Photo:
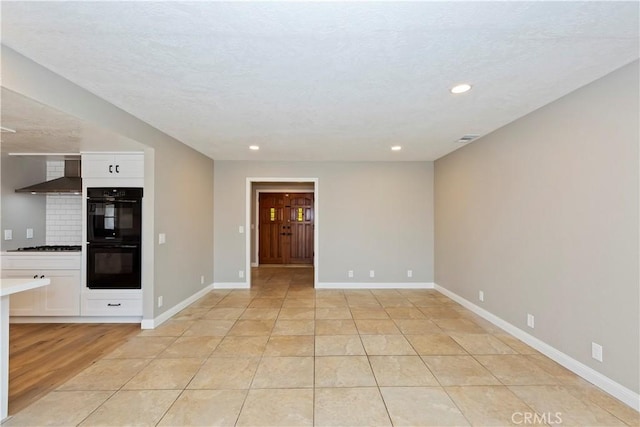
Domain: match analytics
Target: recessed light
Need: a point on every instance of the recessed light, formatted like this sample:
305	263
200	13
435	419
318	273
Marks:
461	88
254	147
396	148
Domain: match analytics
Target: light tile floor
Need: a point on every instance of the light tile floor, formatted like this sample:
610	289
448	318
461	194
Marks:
284	354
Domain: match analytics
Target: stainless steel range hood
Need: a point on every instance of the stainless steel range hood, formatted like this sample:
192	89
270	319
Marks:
70	183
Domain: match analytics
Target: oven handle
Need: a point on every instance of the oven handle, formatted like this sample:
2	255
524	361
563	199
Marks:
114	246
101	199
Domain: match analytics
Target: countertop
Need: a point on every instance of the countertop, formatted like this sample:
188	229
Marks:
13	285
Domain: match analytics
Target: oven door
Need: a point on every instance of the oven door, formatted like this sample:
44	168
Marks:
113	266
114	220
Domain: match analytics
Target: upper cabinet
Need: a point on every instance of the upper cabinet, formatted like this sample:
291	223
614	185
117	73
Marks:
112	165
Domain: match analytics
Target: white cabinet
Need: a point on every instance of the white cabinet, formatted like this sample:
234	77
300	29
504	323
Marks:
60	298
112	303
112	165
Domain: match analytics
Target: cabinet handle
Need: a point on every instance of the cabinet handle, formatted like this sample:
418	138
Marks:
42	277
114	305
117	168
110	168
35	276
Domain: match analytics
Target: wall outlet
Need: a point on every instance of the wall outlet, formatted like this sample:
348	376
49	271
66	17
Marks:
241	274
596	351
160	301
531	321
29	233
350	274
162	239
409	273
372	273
241	229
202	280
481	295
8	234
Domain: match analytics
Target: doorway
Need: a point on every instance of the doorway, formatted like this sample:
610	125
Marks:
285	228
300	212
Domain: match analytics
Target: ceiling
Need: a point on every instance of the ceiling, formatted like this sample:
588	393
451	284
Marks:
325	80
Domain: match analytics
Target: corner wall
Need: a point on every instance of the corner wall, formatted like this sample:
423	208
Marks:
542	215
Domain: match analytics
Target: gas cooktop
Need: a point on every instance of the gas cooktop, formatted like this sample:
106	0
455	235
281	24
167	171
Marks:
49	248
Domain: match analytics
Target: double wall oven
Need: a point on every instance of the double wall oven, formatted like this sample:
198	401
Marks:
114	236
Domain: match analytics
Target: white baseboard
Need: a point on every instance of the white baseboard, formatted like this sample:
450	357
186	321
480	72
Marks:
615	389
255	264
231	285
374	285
76	319
157	321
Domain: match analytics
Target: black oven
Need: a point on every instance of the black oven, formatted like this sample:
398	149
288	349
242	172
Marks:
113	266
114	237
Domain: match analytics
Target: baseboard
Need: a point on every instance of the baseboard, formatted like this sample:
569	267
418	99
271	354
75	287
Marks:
76	319
374	285
157	321
608	385
255	264
231	285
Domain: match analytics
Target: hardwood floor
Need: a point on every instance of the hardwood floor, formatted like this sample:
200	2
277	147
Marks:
43	356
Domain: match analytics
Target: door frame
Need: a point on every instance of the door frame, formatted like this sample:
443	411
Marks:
247	228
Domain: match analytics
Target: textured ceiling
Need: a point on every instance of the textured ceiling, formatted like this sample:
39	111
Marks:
42	129
325	80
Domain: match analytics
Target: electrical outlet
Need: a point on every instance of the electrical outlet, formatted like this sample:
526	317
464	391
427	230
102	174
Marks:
596	351
8	234
481	295
372	273
29	233
409	273
241	274
162	238
350	274
202	280
531	321
160	301
241	229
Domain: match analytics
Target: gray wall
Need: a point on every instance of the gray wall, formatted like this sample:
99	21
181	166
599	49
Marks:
181	186
372	216
542	215
22	210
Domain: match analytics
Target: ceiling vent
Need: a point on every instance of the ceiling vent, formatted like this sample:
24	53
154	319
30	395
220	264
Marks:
467	138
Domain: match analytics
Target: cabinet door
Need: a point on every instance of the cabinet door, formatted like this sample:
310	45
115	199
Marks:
129	165
25	303
98	166
62	296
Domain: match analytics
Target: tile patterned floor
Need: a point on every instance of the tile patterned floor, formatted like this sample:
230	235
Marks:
284	354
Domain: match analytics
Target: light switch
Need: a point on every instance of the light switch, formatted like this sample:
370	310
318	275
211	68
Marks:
29	233
8	234
162	238
241	229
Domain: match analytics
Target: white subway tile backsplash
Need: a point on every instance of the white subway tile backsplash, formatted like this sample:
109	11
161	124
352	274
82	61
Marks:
63	212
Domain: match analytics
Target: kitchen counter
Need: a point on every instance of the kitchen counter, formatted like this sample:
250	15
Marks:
8	287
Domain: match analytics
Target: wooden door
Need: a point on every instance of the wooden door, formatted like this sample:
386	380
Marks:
286	222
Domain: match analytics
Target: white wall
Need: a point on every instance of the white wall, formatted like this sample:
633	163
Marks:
372	216
542	215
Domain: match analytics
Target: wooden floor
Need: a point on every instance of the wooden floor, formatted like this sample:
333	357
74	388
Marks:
43	356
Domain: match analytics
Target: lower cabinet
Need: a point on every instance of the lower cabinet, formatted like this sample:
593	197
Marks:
112	303
60	298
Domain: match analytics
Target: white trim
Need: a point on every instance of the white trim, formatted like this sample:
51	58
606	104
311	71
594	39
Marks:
372	285
316	228
255	264
231	285
615	389
157	321
76	319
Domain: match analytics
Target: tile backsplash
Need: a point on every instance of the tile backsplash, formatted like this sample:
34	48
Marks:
64	212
